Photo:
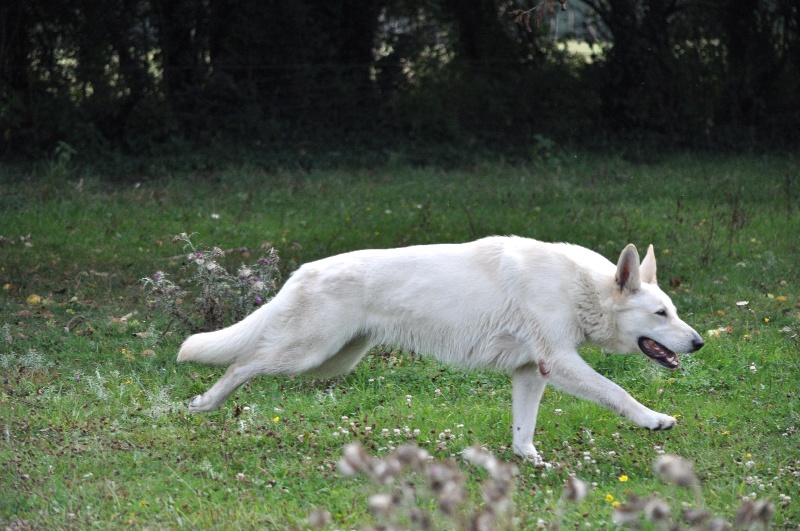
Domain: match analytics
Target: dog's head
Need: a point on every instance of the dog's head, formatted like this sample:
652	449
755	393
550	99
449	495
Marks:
646	318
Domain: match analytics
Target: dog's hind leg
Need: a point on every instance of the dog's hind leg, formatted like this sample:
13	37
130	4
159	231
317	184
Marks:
528	383
344	360
317	356
236	375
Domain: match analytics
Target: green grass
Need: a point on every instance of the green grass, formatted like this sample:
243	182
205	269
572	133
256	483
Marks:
93	429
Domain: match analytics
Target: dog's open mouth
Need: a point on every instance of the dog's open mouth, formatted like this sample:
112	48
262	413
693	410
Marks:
659	353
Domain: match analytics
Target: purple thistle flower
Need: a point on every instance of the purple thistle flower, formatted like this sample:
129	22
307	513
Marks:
259	301
156	277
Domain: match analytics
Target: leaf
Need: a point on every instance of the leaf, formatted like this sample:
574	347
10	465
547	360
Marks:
539	16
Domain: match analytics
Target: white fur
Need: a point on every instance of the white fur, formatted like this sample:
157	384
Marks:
506	303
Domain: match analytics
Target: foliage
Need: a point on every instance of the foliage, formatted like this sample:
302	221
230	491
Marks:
151	76
93	423
214	297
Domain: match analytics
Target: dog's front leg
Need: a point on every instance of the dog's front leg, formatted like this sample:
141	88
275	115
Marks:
528	385
572	374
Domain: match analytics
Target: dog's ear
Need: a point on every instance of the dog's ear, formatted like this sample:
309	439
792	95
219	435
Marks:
647	271
627	278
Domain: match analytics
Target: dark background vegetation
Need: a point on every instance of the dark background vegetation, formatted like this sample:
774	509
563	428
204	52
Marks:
82	78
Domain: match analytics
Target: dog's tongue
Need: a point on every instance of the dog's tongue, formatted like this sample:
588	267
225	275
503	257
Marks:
659	353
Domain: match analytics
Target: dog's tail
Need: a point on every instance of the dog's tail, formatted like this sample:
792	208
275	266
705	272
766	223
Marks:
223	347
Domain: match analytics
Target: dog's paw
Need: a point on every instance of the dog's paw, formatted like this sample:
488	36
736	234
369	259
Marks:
199	405
529	453
652	420
659	422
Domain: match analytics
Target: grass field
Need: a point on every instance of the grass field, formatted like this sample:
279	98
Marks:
93	429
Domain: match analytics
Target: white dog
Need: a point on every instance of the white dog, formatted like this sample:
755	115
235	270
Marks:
506	303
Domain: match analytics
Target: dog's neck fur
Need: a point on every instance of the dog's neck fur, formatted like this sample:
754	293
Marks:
596	318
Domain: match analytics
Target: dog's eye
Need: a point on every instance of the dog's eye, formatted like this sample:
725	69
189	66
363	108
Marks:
662	313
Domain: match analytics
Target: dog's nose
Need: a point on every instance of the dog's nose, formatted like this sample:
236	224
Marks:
697	344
